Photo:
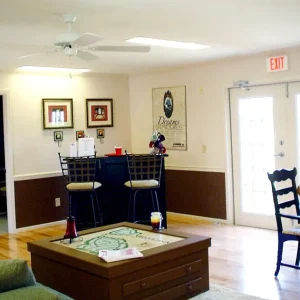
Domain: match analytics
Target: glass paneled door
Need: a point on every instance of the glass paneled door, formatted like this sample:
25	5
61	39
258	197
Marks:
294	119
263	140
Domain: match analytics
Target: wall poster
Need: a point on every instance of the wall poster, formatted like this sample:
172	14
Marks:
169	116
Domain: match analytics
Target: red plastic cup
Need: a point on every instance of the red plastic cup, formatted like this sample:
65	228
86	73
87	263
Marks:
118	150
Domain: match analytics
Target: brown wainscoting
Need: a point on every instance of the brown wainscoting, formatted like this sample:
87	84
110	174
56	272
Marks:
196	193
35	201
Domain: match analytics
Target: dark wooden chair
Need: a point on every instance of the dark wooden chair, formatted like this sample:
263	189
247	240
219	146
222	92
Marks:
144	174
79	174
293	234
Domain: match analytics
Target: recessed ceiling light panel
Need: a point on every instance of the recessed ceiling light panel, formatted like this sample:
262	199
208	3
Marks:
166	43
52	69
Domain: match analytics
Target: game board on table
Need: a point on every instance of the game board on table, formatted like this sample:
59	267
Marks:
120	238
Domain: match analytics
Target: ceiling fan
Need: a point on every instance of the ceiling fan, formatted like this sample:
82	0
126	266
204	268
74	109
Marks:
75	44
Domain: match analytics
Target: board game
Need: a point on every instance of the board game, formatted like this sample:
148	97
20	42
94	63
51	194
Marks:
119	238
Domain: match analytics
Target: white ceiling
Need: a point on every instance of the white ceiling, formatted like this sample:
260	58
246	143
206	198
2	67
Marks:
231	27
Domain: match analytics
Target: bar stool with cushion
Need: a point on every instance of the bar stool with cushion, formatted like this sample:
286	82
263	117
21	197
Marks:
144	174
79	174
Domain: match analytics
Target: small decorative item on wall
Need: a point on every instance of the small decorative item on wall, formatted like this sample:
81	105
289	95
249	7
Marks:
100	133
79	134
169	116
99	112
57	113
58	137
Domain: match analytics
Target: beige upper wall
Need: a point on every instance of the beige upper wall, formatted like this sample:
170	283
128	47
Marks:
34	150
206	113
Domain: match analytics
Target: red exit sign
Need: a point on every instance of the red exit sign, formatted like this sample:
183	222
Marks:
277	63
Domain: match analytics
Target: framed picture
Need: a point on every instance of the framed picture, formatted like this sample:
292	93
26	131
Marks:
58	136
100	133
99	113
57	113
79	134
169	116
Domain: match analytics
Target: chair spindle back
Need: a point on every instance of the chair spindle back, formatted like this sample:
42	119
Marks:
78	169
144	166
283	176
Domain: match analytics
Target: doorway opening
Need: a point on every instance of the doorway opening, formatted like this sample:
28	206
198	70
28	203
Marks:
265	136
3	201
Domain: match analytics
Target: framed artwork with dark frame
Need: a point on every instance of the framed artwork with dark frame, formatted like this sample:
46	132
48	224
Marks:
58	136
57	113
99	113
79	134
100	133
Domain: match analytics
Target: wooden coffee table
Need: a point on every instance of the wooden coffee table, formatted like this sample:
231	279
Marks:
174	266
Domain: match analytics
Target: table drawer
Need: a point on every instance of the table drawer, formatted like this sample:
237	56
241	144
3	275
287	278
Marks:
198	285
166	276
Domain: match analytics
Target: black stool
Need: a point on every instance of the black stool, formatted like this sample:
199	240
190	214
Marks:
79	174
144	174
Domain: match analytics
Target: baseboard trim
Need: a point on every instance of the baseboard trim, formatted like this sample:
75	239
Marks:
183	218
28	228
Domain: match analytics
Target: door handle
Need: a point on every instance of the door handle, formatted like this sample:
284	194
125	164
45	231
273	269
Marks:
281	154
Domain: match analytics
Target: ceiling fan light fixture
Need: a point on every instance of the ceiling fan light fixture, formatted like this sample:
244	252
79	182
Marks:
166	43
70	51
53	69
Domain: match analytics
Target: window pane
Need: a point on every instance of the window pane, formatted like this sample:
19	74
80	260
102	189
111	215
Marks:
257	154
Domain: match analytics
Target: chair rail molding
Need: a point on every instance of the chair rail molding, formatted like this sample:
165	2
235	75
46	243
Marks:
37	175
41	175
195	168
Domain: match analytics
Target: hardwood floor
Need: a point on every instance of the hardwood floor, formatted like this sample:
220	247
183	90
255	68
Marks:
241	258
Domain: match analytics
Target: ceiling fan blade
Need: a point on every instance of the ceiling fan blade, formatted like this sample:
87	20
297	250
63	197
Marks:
87	39
122	48
30	55
86	55
47	51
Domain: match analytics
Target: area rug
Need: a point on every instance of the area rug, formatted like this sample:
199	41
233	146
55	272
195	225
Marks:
217	292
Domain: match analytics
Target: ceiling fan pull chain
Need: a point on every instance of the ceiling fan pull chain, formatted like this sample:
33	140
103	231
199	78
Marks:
70	74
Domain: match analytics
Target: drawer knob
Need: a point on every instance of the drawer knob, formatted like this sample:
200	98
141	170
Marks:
143	284
189	269
189	287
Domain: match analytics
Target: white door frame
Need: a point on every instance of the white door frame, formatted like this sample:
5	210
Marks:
8	148
229	171
228	139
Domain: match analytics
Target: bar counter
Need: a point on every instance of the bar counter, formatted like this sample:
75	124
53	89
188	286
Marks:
113	196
